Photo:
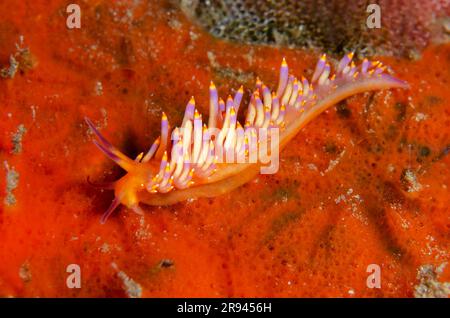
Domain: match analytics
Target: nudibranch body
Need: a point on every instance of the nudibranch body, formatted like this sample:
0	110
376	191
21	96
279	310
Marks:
205	160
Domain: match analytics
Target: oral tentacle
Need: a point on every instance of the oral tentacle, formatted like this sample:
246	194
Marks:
114	204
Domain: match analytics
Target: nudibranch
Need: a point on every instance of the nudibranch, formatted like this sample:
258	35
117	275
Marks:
188	161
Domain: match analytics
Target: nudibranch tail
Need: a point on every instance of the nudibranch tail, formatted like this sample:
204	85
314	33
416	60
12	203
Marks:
207	159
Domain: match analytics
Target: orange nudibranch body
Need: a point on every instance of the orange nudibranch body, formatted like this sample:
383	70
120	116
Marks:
205	160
